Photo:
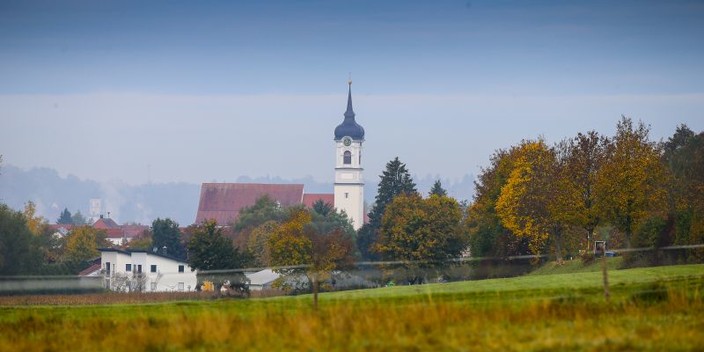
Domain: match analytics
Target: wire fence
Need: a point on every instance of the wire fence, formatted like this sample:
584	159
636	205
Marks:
361	275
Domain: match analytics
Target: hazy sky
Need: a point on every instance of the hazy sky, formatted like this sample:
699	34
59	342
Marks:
198	91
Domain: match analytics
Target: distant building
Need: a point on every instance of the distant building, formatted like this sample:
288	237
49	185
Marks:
117	234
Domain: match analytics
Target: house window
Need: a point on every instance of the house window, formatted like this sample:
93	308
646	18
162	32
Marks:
128	267
181	286
153	268
180	268
347	158
139	268
153	286
107	268
347	195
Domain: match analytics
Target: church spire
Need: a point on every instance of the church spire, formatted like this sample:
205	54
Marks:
349	114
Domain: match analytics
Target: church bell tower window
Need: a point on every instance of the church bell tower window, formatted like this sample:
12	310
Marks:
347	158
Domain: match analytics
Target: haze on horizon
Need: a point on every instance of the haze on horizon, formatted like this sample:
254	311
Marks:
186	92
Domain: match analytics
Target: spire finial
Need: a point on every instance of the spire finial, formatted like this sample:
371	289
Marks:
349	80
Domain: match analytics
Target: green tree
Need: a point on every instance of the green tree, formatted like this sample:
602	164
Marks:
209	249
632	179
684	157
166	238
394	180
297	248
263	210
18	253
437	189
421	232
78	219
326	219
82	244
65	218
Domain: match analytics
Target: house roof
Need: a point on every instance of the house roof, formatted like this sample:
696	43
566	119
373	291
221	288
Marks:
105	223
114	233
310	198
263	277
222	202
148	252
91	270
131	231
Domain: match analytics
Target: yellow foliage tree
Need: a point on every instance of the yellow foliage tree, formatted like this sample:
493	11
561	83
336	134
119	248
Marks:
526	203
35	223
83	243
632	182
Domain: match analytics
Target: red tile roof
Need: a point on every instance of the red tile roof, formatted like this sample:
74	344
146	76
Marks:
91	269
132	231
309	199
114	233
223	201
105	223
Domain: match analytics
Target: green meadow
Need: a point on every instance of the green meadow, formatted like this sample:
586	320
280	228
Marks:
656	309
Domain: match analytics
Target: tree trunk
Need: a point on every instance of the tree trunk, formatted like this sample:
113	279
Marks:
558	245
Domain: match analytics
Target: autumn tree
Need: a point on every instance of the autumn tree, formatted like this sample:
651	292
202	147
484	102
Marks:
394	180
82	244
65	218
437	189
487	236
632	179
258	243
423	233
580	160
297	248
35	222
18	253
525	204
166	238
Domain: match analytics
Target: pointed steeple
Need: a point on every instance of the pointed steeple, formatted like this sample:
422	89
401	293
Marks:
349	114
349	127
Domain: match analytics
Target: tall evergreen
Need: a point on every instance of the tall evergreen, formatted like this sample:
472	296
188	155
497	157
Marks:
437	189
395	180
65	218
165	233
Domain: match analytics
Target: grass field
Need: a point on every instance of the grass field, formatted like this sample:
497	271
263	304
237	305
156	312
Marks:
650	309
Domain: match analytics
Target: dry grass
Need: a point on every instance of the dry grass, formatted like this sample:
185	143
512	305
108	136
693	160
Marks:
654	316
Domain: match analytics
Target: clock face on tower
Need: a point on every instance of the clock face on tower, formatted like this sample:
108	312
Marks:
347	141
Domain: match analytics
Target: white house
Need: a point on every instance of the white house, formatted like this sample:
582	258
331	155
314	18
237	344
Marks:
144	271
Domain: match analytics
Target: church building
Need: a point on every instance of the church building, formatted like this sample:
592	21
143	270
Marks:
222	202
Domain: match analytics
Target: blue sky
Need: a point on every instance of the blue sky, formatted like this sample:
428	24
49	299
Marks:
202	91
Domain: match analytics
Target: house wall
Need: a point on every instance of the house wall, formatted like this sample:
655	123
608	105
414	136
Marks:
165	278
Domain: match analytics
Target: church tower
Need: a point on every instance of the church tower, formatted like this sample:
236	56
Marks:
349	185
